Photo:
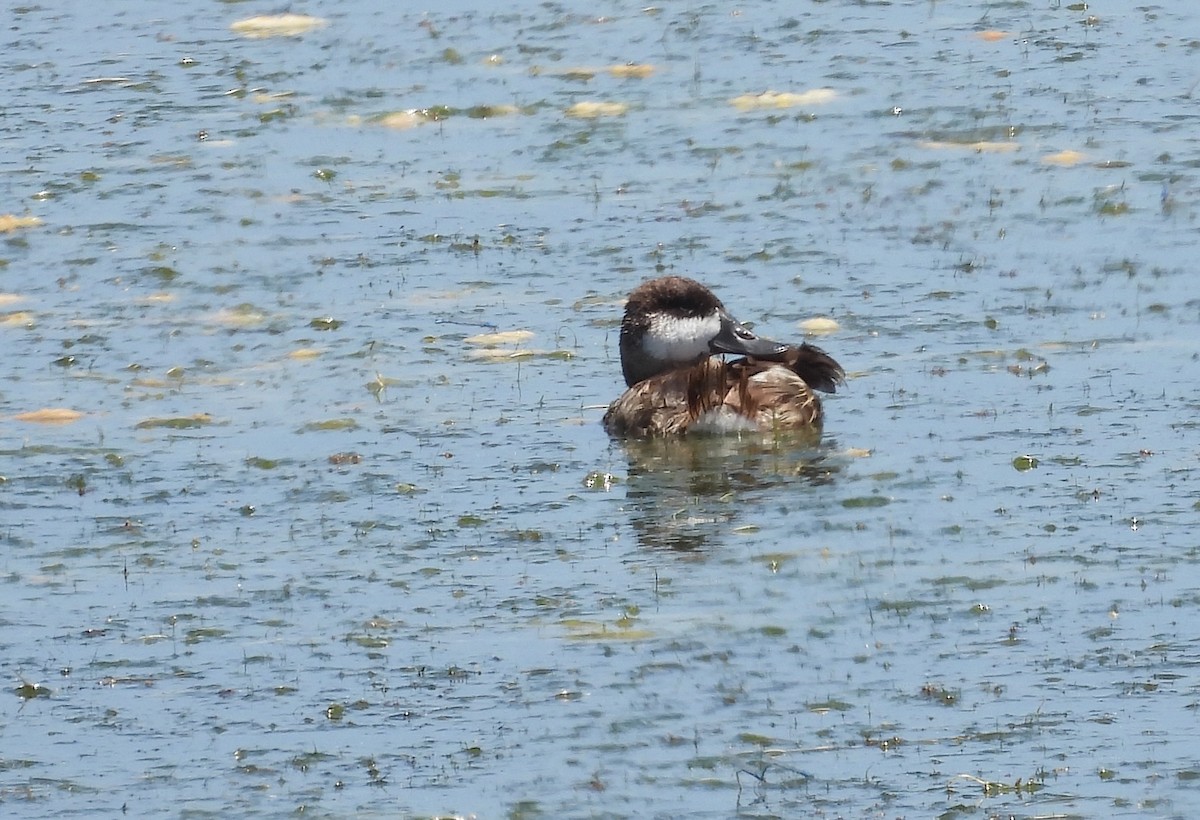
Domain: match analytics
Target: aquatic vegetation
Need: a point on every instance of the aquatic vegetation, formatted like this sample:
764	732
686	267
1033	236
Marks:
28	691
325	514
596	109
50	415
500	338
820	326
277	25
1064	159
11	222
1023	463
330	425
634	71
600	480
978	146
175	422
783	99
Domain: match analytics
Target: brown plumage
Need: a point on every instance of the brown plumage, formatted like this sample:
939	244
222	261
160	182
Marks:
770	390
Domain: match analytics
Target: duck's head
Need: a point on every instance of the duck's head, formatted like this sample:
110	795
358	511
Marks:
673	321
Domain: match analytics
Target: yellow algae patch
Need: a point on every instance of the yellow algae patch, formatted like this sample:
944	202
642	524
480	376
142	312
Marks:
783	99
10	299
500	354
595	110
20	318
858	452
266	98
992	35
438	296
50	415
174	160
501	346
584	73
12	222
503	337
980	147
305	353
1064	159
329	424
637	71
820	325
402	120
277	25
238	317
153	382
156	299
582	630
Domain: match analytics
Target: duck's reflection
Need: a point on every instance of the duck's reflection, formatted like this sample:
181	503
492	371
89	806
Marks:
687	493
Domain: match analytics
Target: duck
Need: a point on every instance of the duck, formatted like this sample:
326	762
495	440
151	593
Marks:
674	336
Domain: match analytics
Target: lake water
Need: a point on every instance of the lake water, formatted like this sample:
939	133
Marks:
324	522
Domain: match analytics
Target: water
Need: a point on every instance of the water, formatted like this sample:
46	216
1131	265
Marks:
311	547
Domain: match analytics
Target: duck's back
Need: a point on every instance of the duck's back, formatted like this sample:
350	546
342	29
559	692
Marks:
715	396
666	404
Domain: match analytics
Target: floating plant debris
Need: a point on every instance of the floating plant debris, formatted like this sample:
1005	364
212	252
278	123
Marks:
50	415
783	99
277	25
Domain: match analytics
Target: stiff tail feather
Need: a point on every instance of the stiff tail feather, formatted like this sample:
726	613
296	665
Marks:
819	370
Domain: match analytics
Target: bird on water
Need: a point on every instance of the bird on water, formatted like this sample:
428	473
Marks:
673	335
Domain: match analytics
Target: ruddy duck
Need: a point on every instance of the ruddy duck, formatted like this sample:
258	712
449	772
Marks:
673	330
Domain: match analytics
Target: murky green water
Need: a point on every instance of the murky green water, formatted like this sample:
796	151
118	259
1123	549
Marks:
311	546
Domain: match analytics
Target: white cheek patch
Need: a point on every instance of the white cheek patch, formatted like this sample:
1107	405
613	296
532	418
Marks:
680	340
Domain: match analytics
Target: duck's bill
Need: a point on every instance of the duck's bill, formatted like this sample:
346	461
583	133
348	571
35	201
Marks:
734	337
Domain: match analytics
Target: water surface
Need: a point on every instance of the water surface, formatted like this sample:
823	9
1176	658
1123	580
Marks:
311	545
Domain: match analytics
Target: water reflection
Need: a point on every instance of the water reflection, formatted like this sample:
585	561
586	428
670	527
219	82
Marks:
685	493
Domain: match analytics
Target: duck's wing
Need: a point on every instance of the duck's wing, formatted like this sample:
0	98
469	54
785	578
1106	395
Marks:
773	396
778	394
667	404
